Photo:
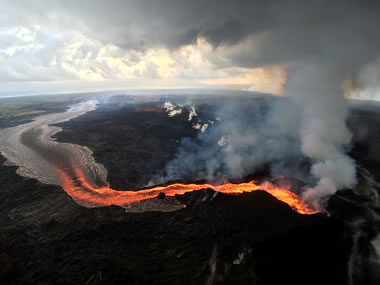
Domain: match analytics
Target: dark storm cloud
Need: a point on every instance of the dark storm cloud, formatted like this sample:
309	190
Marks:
230	32
341	31
280	31
142	24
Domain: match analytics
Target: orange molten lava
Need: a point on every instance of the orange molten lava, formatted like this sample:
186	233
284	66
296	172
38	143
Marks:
84	193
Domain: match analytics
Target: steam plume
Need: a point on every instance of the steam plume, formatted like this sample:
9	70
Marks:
323	131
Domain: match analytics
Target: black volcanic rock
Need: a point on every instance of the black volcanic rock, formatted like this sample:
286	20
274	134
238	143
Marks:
5	260
161	195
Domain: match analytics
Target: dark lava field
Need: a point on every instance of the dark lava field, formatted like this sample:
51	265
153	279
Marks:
46	238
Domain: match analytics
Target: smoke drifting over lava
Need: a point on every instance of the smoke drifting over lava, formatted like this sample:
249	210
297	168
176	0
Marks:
246	137
304	138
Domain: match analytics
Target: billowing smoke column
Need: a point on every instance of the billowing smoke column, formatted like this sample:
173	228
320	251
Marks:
323	131
325	45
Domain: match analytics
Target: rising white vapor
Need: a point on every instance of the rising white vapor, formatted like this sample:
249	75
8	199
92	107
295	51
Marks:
192	113
323	131
171	109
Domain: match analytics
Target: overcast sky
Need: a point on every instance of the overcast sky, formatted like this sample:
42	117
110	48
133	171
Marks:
88	45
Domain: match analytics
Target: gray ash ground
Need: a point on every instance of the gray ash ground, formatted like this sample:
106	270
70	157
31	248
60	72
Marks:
134	143
218	239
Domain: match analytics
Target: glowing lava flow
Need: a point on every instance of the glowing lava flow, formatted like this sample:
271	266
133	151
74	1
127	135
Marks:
85	194
31	147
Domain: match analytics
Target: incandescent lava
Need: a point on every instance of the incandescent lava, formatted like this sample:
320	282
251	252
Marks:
88	195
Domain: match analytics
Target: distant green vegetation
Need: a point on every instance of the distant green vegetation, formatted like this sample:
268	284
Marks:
33	105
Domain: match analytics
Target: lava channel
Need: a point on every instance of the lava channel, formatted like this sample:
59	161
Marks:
91	196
